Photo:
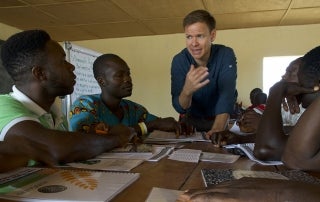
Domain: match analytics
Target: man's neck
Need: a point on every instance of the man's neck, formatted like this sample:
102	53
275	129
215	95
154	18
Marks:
44	101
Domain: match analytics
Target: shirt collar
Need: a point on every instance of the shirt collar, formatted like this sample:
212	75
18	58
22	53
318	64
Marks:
27	102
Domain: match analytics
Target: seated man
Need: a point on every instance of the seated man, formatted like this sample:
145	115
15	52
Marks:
271	139
252	96
113	75
250	119
300	148
290	115
30	126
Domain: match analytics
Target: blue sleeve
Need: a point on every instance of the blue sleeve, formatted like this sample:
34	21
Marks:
179	70
227	83
82	114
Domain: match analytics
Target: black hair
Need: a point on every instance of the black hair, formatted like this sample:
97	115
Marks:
253	93
310	67
260	98
200	16
22	51
99	65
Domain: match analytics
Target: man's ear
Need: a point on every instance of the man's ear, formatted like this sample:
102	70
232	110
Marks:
213	35
38	73
101	81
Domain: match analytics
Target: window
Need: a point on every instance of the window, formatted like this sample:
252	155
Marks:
274	68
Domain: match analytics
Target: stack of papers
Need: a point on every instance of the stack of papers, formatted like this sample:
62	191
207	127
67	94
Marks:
170	137
248	148
218	158
186	155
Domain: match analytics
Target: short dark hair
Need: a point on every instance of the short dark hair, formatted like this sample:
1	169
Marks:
253	93
312	57
260	98
310	67
99	64
22	51
200	16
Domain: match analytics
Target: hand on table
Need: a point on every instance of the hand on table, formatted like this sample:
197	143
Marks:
223	138
100	128
124	134
168	124
187	128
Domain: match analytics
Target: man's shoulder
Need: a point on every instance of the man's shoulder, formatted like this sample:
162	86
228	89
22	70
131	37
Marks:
221	47
11	109
183	54
87	99
7	100
130	103
184	58
5	97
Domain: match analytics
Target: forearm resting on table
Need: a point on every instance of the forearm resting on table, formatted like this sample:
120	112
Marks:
42	144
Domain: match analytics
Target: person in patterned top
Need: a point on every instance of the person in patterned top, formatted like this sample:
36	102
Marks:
108	109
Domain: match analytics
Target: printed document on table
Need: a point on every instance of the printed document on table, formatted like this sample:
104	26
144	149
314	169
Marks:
186	155
165	137
248	148
216	157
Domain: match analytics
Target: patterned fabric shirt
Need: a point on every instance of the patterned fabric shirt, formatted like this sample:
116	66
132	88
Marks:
90	109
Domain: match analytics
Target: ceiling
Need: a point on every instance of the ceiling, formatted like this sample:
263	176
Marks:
72	20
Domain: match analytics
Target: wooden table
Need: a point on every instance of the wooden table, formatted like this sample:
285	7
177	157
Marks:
180	175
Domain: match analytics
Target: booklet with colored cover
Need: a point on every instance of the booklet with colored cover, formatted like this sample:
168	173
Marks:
66	185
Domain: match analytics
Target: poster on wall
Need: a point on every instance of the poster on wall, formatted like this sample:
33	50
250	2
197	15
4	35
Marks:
82	59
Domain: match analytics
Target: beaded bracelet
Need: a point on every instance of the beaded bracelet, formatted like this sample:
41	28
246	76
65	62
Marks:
143	128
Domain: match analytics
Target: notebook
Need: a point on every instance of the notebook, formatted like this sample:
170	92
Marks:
66	185
216	176
247	148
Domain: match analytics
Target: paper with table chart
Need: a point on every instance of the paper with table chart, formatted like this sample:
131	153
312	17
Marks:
67	185
158	152
186	155
122	161
193	155
216	157
247	148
